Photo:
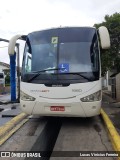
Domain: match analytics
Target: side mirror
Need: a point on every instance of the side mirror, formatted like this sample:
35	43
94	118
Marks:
104	37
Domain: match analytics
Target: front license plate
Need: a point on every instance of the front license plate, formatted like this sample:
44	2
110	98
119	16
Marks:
57	108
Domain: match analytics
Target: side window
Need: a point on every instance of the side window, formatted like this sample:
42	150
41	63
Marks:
95	57
28	59
28	64
94	52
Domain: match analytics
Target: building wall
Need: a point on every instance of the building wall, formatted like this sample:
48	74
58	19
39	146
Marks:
2	89
118	87
106	81
109	80
2	68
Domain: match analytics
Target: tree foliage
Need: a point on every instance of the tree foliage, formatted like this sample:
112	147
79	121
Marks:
7	76
110	59
7	79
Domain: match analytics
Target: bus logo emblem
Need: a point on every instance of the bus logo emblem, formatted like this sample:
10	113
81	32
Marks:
76	90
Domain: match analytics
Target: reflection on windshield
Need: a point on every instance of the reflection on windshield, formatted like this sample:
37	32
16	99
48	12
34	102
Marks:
45	56
74	53
74	57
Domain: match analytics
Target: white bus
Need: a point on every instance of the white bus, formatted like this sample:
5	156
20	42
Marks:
61	71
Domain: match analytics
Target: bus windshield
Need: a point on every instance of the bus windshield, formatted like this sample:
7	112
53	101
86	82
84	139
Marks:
71	50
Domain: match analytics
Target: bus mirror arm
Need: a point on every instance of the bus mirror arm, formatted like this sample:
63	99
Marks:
12	43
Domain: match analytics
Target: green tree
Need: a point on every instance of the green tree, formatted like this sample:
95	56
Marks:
110	59
7	78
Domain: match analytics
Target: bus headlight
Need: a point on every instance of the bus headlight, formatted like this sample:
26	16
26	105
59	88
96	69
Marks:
93	97
26	97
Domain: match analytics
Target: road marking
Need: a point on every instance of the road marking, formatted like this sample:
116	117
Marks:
10	127
11	132
114	136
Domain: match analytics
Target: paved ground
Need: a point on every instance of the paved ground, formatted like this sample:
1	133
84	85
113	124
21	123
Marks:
112	108
73	134
8	110
4	98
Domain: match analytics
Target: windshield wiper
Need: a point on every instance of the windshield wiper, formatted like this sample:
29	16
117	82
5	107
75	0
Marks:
75	73
44	70
53	69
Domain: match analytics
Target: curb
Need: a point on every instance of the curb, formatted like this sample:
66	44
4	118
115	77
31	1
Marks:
8	102
12	131
114	136
11	124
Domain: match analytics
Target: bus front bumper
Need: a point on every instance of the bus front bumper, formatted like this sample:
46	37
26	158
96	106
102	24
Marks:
74	109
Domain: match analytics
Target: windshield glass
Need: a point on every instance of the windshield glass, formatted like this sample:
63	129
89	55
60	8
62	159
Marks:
76	56
47	56
71	50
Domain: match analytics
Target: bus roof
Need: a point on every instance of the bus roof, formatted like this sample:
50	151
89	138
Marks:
65	27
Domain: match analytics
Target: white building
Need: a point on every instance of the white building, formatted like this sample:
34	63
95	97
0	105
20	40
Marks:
4	66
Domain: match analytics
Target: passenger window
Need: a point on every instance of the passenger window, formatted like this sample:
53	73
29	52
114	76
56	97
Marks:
28	60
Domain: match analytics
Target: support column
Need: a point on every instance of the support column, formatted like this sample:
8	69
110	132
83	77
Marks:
13	76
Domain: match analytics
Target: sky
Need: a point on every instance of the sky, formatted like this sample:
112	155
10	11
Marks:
25	16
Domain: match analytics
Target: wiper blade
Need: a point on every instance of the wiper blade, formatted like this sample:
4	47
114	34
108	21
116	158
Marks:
89	79
44	70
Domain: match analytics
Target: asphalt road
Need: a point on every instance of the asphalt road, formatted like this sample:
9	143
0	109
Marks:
60	134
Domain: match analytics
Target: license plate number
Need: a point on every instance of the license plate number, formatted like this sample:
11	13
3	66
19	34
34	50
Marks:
57	108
